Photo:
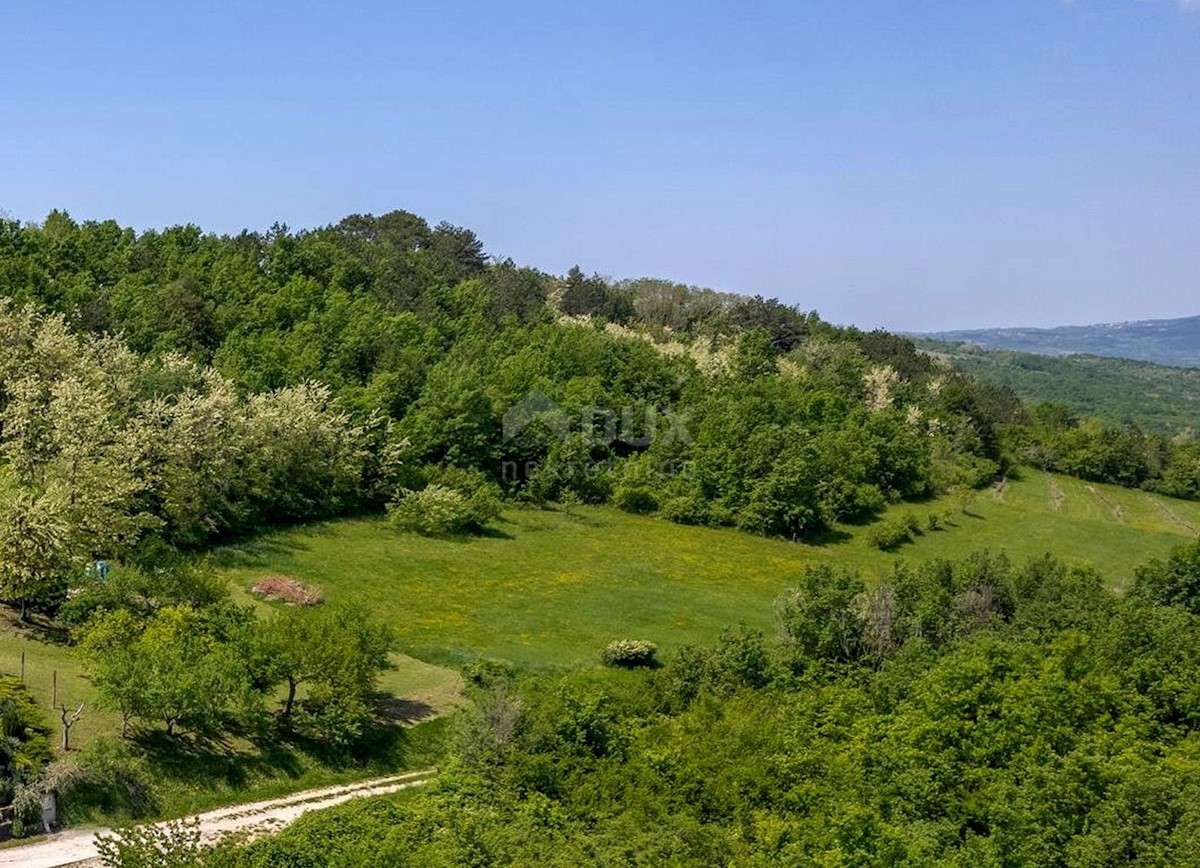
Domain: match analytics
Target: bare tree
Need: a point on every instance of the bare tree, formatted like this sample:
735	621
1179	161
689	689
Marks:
68	722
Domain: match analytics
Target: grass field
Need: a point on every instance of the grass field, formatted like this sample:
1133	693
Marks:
553	587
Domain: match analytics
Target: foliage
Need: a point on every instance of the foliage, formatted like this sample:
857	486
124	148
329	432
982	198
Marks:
169	580
407	328
64	778
1038	736
629	653
637	499
889	535
174	667
169	845
437	511
336	654
24	738
1175	582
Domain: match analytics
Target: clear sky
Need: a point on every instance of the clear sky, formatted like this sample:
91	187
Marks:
917	165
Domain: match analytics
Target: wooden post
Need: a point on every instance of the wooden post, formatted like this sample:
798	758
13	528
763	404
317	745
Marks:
54	689
22	665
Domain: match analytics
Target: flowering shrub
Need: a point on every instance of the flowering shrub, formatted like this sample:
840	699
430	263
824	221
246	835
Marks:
629	653
287	590
439	511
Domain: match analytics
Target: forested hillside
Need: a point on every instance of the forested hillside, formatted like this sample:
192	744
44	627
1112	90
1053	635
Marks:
1156	398
710	408
706	407
1173	342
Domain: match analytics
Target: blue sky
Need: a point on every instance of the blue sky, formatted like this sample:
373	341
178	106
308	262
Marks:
916	165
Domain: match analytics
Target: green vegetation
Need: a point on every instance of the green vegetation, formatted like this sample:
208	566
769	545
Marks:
1156	398
955	713
512	473
24	737
629	653
552	587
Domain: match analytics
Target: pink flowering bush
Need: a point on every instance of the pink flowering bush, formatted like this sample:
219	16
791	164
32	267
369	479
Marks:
287	590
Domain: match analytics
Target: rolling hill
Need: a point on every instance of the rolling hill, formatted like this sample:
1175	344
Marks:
1157	398
1165	342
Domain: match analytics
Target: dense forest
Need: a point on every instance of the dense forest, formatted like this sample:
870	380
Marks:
184	387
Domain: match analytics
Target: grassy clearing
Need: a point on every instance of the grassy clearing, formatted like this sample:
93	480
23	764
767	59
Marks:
553	588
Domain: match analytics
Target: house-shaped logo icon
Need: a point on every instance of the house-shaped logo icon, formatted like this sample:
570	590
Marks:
537	406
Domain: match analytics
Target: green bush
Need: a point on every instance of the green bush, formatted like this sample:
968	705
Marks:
686	509
25	742
629	653
636	499
441	511
888	535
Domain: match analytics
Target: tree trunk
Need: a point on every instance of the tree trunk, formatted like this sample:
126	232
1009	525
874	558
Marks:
291	699
68	721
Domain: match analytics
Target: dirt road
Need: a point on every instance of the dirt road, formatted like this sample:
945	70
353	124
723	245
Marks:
77	847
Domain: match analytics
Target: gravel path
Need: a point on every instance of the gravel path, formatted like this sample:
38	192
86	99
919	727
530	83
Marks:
77	847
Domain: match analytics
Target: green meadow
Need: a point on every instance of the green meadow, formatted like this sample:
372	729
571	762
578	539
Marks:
552	587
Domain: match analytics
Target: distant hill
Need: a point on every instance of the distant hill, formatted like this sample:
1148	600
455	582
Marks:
1163	341
1157	398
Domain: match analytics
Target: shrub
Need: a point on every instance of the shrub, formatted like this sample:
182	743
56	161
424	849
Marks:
636	499
933	521
441	511
911	522
687	509
115	782
629	653
888	535
1175	582
287	590
25	745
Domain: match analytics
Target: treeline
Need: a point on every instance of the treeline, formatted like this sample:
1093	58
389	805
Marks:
108	454
703	406
977	712
1051	437
711	407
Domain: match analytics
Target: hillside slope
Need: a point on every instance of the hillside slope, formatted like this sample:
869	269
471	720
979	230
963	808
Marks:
1158	398
1164	342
